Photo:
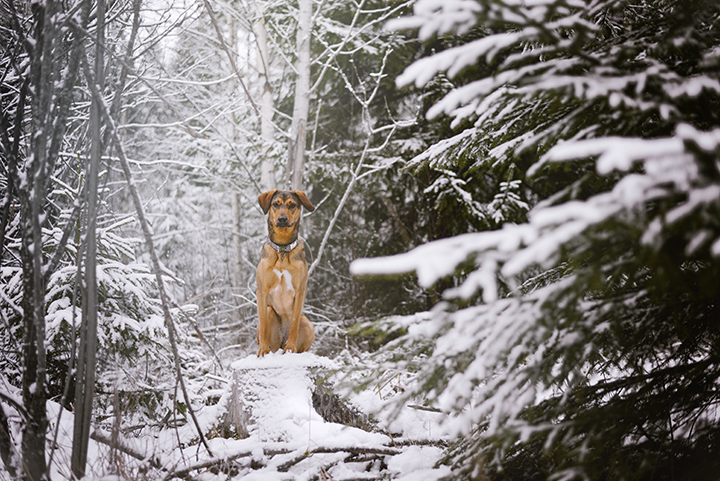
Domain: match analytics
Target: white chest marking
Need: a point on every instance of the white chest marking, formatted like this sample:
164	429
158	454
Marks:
285	281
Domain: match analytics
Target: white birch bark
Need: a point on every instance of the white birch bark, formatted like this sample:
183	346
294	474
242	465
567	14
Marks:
237	278
298	131
267	107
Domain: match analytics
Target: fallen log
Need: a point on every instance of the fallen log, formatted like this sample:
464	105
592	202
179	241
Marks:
108	441
283	468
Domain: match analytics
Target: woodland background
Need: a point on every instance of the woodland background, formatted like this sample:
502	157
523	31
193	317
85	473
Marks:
544	177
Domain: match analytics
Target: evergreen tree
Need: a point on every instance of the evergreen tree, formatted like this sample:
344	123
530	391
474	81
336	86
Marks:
580	343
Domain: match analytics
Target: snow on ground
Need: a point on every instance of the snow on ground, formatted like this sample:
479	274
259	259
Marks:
288	439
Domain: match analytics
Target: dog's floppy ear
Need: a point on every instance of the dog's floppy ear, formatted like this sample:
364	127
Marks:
265	198
305	201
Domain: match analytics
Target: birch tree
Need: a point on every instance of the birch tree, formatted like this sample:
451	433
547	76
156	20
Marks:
298	129
324	39
267	103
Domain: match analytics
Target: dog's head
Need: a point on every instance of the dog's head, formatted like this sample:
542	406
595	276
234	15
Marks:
284	208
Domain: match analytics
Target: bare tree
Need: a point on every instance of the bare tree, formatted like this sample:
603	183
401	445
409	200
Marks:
45	59
86	359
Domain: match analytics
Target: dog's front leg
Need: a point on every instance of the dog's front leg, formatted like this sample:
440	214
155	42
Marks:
263	329
300	292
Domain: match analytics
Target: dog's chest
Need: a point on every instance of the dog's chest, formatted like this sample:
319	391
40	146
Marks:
283	285
281	292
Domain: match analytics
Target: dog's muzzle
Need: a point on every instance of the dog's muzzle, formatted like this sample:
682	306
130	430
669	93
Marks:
282	221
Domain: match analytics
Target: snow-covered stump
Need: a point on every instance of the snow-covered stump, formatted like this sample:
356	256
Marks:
271	397
291	429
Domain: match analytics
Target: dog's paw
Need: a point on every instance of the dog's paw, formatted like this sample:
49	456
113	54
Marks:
262	351
290	348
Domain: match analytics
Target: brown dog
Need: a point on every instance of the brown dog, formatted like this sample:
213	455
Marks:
282	276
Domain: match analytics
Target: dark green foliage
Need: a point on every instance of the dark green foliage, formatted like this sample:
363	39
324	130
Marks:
594	353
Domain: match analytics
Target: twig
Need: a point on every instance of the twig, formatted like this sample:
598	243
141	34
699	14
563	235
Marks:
334	54
441	443
424	408
16	403
340	206
201	336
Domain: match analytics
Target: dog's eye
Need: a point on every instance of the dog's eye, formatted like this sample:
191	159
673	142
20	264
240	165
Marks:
291	205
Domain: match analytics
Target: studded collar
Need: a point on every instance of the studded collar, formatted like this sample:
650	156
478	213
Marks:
283	248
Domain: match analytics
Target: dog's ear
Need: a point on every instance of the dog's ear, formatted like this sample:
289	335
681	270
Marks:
265	198
305	201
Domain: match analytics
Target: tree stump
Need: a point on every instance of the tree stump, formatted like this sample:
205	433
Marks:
271	398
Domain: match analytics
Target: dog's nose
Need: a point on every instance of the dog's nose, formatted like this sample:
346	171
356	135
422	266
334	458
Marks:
282	219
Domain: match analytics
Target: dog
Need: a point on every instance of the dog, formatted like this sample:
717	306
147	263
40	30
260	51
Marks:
282	275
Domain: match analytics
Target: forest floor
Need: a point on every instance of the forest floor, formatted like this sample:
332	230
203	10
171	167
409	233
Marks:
265	426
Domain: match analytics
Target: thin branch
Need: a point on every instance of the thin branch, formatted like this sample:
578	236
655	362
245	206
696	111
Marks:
340	206
116	103
69	227
16	403
11	154
182	473
200	335
131	71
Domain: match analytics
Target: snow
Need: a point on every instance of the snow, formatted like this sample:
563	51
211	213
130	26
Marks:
454	60
287	440
276	360
431	261
438	17
615	153
439	148
715	249
415	458
277	391
514	248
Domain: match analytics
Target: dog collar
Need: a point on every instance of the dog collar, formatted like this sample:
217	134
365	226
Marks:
283	248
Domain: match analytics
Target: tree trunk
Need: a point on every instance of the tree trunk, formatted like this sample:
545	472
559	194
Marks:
267	168
85	377
239	279
298	130
34	372
34	396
